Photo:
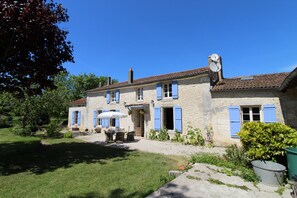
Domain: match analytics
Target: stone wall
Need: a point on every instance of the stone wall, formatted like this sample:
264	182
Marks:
288	100
220	109
194	99
84	118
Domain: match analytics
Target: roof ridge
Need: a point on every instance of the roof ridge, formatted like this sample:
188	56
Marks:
257	75
154	78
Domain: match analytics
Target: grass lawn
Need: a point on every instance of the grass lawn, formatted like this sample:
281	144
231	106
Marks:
70	168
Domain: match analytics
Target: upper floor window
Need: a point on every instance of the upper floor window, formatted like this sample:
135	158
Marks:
167	90
140	94
250	114
113	96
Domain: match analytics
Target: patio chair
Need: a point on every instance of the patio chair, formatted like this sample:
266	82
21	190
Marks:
120	136
108	136
130	136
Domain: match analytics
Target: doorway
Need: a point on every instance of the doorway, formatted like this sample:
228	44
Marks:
168	122
139	122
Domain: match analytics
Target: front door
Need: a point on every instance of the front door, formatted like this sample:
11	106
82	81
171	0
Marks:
139	123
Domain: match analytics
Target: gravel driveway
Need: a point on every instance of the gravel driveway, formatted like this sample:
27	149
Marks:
141	144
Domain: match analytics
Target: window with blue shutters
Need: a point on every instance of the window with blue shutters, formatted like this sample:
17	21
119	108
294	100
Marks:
159	91
157	118
235	123
117	96
108	97
174	90
76	118
178	118
269	112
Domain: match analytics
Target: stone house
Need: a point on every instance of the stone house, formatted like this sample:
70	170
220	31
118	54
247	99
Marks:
199	98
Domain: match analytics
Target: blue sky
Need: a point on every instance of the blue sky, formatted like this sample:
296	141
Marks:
162	36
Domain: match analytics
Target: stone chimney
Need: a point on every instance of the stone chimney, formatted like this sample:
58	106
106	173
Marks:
108	81
216	76
100	84
130	76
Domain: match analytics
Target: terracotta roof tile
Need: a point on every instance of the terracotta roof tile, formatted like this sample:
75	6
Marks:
171	76
265	81
81	101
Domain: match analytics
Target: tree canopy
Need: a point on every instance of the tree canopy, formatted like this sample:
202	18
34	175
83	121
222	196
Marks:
32	45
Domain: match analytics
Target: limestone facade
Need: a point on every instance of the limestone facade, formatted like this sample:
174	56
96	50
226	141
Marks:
200	107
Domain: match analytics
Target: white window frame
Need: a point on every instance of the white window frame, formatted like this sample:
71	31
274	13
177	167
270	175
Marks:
99	120
113	96
139	94
76	117
251	113
167	92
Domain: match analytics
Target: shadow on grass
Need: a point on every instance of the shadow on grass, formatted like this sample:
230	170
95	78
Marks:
17	157
116	193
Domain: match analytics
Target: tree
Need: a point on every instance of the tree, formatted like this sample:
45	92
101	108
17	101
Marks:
7	102
83	82
32	46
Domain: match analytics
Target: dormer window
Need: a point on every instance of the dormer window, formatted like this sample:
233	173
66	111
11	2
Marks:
167	90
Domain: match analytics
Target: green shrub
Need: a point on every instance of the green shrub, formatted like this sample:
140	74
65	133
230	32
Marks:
53	129
5	121
267	141
178	137
194	137
237	170
236	155
153	134
68	134
19	130
163	135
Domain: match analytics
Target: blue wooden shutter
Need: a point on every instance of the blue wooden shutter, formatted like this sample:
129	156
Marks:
234	115
178	118
174	90
107	120
159	91
73	118
108	97
269	113
95	118
117	120
103	120
117	96
79	118
157	118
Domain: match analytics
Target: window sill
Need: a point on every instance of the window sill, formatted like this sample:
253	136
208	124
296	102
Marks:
167	99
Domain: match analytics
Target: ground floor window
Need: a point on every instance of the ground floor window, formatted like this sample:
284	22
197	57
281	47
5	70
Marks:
168	119
250	114
99	120
76	117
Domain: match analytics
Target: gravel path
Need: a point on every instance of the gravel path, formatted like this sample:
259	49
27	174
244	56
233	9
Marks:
141	144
